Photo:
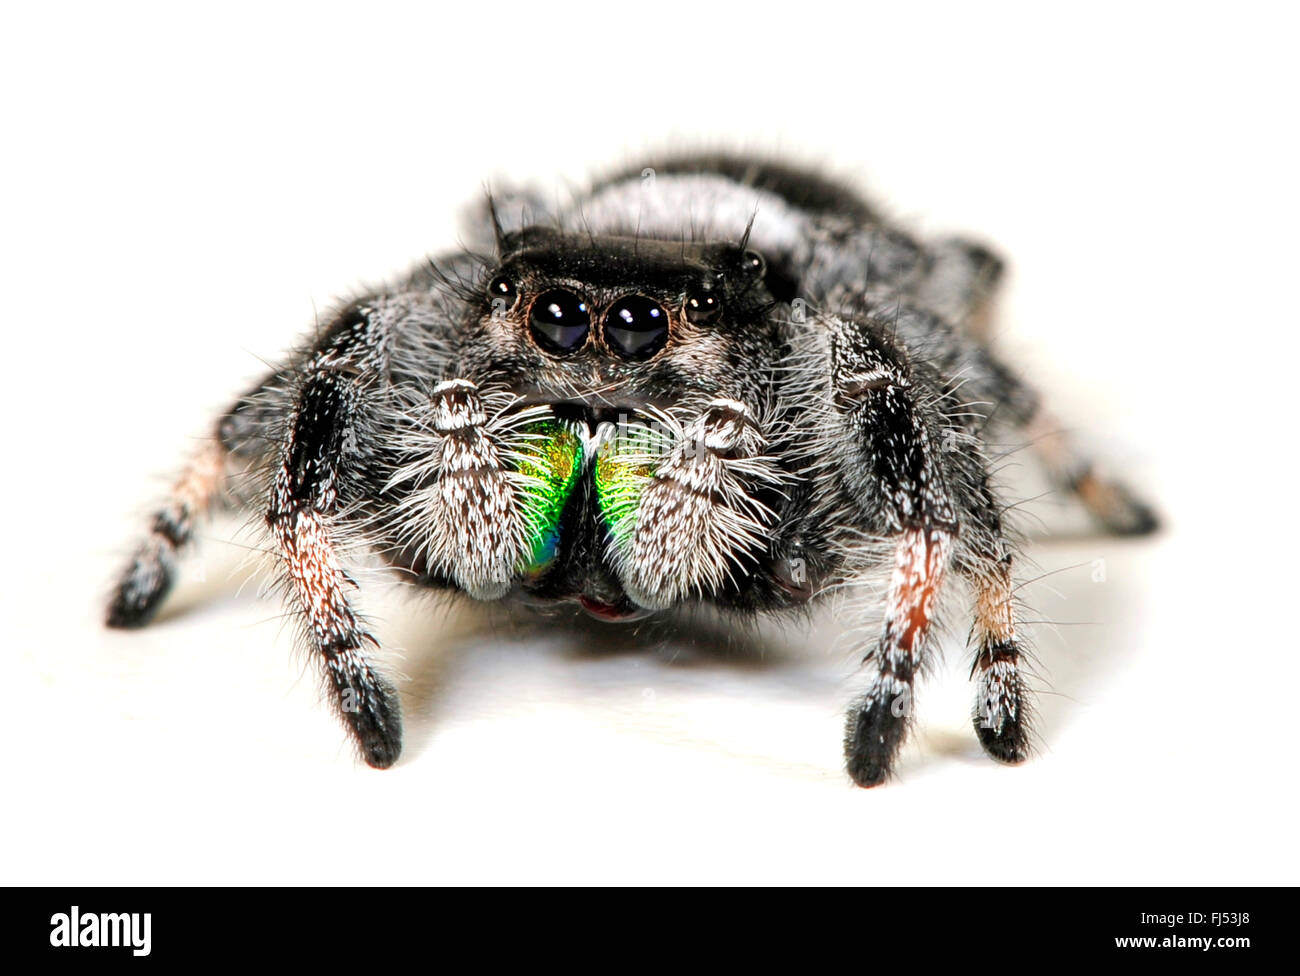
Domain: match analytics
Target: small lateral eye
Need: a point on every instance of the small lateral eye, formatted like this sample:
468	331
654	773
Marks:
636	327
753	263
502	289
559	321
703	308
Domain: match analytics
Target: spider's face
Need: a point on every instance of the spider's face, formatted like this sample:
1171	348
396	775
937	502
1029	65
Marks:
618	321
608	334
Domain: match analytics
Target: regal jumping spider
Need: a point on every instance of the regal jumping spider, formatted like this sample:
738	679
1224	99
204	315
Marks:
713	381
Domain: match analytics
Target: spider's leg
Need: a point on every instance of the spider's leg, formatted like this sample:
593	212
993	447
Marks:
302	519
148	577
950	286
1002	704
986	560
696	520
878	722
913	456
1112	504
1019	407
225	472
883	434
995	391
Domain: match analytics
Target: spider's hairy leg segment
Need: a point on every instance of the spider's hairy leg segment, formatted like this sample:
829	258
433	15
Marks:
148	577
878	722
368	703
303	499
1111	503
999	397
896	478
682	523
1001	715
1002	710
995	392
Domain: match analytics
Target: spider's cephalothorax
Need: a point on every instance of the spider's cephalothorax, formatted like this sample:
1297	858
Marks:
712	381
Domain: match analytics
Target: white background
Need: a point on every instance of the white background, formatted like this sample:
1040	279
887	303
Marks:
183	191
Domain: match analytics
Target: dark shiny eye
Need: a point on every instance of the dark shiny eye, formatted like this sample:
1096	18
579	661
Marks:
636	327
702	307
753	263
501	295
502	287
559	321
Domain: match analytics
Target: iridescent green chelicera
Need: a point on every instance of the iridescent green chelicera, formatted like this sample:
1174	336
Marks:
552	460
625	465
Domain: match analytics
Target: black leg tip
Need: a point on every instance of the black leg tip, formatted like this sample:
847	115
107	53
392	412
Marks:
143	587
382	753
122	616
1009	744
132	608
872	738
867	772
1120	511
378	729
1139	519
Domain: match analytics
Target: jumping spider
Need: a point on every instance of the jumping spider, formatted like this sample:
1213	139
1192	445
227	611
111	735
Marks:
716	381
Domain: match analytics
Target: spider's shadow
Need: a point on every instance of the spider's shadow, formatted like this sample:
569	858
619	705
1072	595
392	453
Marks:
680	642
1088	626
1082	625
1079	624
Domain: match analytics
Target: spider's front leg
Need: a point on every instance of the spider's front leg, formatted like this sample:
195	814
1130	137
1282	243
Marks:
912	475
302	518
895	483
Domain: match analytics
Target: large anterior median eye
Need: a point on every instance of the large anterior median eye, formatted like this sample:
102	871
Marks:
559	321
636	327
